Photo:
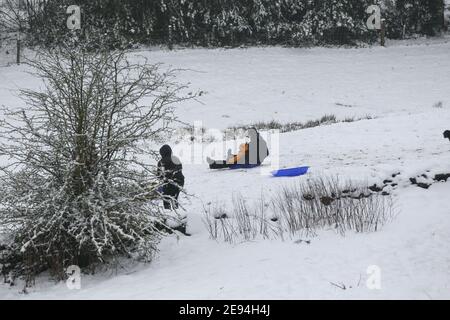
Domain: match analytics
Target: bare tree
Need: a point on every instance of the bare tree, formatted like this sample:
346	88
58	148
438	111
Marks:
75	189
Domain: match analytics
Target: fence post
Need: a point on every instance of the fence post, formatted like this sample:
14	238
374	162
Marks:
170	34
18	51
383	33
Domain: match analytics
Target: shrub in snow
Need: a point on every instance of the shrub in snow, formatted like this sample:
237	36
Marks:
239	131
241	222
313	204
408	17
323	202
438	105
75	189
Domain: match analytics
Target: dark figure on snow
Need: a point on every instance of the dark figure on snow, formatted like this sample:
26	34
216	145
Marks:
170	172
252	152
447	134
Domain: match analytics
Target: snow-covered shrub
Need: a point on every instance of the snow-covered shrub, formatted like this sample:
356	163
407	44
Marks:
323	202
241	222
239	131
284	127
75	187
409	17
314	204
438	105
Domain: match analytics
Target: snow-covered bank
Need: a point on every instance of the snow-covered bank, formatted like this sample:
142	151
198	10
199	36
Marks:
286	84
297	84
412	254
399	84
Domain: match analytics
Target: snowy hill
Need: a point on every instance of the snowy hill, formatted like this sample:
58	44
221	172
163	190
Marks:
404	88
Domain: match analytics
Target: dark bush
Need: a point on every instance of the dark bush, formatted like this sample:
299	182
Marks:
230	22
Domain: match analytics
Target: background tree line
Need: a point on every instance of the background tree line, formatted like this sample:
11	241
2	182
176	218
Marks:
228	22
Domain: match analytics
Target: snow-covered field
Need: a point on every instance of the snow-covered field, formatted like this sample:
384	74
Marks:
404	87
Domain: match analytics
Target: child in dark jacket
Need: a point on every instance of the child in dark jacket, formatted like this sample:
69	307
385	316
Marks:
170	172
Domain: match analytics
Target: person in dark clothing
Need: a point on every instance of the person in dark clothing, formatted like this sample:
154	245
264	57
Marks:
170	172
447	134
253	152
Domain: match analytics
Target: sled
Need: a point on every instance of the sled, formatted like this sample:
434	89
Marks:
290	172
243	166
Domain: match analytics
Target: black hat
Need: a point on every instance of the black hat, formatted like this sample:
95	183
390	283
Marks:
165	151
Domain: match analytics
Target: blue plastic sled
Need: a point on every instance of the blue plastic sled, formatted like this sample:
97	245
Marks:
243	166
290	172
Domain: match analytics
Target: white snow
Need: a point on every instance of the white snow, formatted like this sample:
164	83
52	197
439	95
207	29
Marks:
399	85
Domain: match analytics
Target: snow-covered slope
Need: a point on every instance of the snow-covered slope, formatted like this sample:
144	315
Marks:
286	84
399	85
